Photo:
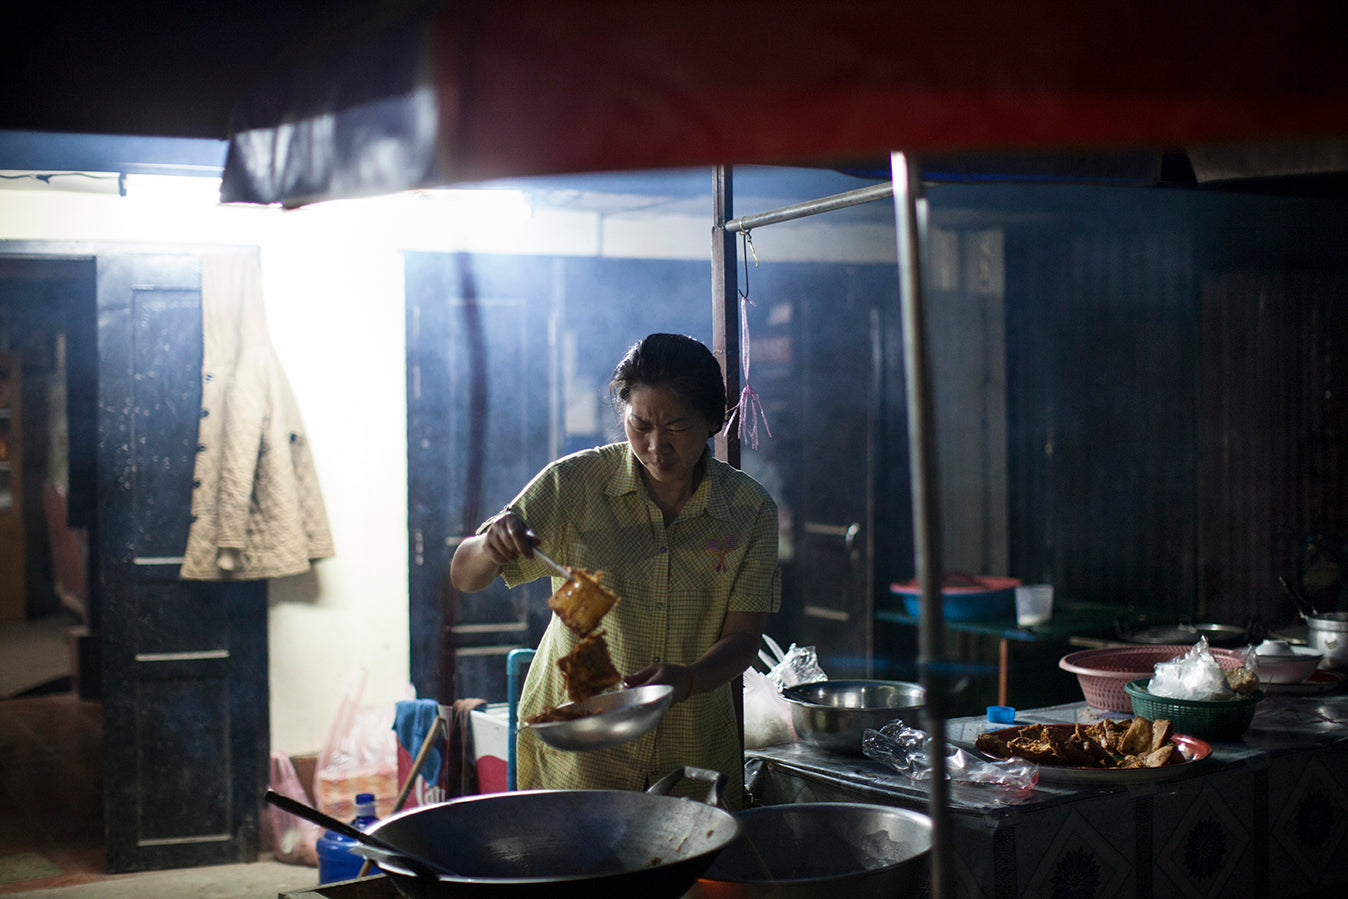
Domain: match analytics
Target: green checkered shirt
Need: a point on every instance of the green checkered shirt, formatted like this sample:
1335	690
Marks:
676	584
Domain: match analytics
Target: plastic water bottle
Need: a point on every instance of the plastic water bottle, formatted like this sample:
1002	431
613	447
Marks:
336	861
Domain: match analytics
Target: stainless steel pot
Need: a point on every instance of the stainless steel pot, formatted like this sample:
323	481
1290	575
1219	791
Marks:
836	714
581	843
825	850
1327	632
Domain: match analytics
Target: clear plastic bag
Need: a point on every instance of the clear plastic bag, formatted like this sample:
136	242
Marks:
1194	675
904	749
294	840
767	716
360	755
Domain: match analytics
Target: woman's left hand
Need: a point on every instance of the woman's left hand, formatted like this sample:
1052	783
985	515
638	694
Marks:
680	677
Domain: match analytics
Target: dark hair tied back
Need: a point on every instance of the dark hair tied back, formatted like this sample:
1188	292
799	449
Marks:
681	365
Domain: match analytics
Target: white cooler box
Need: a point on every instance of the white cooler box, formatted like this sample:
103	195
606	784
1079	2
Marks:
491	739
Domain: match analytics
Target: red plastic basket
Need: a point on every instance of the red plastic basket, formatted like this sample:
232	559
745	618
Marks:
1103	673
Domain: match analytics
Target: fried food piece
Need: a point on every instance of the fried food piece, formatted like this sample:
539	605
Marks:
1137	739
583	601
1085	751
1138	743
993	745
1242	680
558	713
588	670
1162	729
1160	756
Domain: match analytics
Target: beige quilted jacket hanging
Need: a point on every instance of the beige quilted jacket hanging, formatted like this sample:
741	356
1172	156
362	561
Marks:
257	510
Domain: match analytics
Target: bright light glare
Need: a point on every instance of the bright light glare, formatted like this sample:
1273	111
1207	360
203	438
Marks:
483	208
186	190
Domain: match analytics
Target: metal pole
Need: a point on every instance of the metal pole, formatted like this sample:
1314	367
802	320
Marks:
926	512
725	322
809	207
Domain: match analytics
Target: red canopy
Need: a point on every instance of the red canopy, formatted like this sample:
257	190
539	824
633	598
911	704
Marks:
468	90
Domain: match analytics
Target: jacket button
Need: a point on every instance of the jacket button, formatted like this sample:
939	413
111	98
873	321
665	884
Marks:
201	447
205	413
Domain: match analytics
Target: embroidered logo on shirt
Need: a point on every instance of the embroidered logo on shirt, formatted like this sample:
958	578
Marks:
719	547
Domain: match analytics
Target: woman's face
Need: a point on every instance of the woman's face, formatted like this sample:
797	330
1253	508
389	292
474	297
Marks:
666	434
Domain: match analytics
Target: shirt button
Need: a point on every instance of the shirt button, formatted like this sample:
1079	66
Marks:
664	549
655	658
659	606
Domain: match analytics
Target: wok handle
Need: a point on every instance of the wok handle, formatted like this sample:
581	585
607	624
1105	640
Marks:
367	845
715	780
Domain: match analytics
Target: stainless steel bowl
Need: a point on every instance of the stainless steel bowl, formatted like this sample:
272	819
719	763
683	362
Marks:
618	717
836	714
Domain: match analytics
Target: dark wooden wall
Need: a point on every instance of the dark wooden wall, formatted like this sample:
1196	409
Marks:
1175	394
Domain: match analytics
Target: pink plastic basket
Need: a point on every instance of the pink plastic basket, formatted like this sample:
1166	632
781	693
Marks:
1103	673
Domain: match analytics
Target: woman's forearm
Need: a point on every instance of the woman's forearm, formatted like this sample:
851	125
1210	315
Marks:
472	568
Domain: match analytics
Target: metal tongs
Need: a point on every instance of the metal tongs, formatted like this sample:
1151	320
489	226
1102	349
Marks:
553	564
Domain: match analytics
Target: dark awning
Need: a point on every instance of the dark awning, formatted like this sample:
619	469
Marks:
457	92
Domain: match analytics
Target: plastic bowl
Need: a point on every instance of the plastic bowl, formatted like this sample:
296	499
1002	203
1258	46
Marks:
1103	673
965	597
1216	719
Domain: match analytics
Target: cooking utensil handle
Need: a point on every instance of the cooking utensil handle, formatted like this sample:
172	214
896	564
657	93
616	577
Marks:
1303	605
386	851
560	569
715	780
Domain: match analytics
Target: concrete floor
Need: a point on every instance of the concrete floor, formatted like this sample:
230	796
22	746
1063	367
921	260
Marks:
259	880
50	759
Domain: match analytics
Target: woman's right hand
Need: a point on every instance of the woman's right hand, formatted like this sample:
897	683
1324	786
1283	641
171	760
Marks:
479	559
507	539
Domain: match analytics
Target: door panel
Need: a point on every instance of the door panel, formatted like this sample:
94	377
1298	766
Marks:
478	428
185	663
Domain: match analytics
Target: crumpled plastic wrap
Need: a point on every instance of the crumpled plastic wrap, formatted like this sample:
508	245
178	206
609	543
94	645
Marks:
800	665
904	749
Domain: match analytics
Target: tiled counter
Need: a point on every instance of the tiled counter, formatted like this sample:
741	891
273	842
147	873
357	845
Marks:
1264	816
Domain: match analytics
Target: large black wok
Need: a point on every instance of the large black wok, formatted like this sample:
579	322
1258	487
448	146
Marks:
822	850
562	842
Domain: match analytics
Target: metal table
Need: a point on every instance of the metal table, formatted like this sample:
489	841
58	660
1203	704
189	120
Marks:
1266	815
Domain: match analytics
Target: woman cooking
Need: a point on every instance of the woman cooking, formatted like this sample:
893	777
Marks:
687	542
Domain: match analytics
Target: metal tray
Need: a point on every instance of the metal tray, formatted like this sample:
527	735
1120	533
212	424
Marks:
618	717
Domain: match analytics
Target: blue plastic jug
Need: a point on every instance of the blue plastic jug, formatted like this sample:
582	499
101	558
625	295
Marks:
336	861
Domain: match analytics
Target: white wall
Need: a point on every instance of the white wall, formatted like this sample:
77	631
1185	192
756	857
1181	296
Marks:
333	288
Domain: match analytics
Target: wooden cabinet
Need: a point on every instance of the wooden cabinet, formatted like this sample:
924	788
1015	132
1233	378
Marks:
12	552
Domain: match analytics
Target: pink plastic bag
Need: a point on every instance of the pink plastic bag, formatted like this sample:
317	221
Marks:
294	840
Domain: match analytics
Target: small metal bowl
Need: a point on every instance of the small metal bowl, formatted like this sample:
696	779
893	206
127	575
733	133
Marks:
835	714
618	717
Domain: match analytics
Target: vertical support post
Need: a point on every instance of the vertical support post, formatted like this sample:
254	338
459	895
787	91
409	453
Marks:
725	304
909	208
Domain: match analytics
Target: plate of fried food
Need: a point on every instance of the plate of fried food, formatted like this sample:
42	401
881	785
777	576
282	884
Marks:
1107	751
596	717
